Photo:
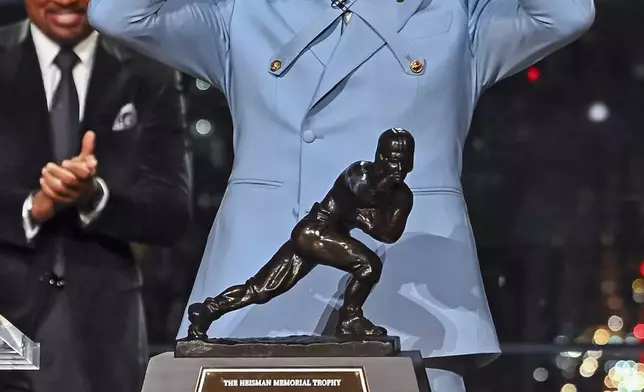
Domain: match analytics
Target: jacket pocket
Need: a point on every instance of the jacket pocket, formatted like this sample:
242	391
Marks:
427	23
256	182
424	191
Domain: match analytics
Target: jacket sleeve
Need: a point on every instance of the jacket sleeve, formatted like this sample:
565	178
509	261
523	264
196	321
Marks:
187	35
510	35
12	223
156	208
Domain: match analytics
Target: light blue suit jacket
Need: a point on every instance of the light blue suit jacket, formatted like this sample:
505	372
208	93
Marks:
297	126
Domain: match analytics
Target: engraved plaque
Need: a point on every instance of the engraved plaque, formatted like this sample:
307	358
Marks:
293	379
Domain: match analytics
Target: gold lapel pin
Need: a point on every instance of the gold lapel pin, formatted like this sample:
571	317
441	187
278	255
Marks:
275	65
416	66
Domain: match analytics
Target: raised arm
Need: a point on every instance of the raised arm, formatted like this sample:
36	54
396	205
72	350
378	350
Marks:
509	35
187	35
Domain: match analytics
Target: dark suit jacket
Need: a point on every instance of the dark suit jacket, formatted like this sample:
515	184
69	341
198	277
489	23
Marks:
145	169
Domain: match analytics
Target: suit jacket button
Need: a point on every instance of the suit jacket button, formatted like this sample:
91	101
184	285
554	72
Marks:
308	136
416	66
276	65
60	283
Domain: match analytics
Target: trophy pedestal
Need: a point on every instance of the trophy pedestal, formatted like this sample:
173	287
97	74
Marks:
293	363
401	373
17	351
290	346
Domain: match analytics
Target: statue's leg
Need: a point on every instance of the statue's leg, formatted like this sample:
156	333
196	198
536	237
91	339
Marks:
276	277
341	251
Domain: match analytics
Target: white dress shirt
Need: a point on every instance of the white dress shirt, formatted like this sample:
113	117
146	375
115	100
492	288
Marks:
47	50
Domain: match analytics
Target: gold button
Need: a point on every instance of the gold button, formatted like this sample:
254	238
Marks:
416	66
276	65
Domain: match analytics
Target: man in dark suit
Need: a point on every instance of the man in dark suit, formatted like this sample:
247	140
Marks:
71	201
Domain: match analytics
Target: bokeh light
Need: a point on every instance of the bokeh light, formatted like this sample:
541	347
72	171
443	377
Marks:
616	303
569	388
540	374
598	112
588	367
615	323
601	336
638	331
638	286
534	74
626	376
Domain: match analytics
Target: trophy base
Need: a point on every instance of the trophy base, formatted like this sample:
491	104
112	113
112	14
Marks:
290	346
401	373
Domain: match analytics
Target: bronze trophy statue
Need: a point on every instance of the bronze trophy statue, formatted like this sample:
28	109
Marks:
370	196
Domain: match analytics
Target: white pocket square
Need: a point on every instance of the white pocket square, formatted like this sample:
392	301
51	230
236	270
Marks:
126	119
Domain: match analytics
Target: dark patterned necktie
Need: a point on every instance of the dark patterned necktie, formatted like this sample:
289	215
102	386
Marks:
65	126
64	112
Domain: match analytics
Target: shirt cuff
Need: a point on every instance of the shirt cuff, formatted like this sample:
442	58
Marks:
31	229
89	217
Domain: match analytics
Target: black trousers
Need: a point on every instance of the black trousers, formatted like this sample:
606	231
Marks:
60	369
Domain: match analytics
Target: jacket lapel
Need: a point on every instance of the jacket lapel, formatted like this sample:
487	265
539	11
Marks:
406	9
358	43
107	86
298	15
360	40
22	74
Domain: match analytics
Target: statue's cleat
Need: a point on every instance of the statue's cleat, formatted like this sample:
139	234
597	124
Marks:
195	334
200	319
359	326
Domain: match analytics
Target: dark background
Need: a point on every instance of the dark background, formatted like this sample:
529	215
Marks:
554	179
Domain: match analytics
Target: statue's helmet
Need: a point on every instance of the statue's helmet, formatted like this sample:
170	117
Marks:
397	145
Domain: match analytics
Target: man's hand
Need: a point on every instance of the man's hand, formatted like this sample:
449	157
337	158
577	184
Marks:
42	207
72	183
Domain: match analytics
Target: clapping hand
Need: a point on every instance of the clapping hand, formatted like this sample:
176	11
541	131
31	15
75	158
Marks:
71	183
